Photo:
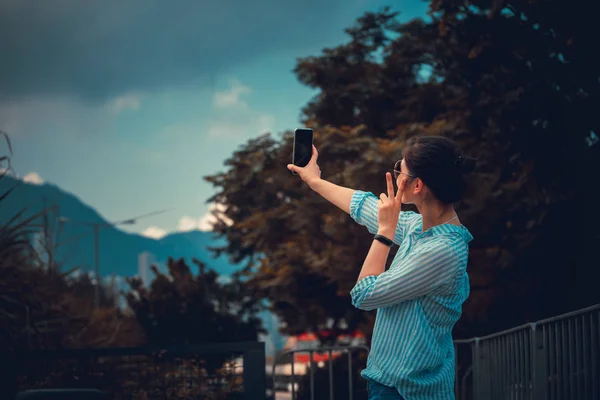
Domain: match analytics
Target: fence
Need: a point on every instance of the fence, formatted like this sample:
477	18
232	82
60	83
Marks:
553	359
313	370
556	358
212	371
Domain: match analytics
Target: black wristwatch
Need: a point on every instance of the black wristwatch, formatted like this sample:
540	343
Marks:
384	240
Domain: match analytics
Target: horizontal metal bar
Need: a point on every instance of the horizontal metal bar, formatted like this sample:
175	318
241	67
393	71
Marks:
325	349
316	350
530	324
569	314
211	348
518	329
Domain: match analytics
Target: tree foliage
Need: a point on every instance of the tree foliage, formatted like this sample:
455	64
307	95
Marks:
182	308
42	307
515	83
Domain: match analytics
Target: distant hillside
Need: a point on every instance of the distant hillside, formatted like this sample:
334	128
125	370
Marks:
119	250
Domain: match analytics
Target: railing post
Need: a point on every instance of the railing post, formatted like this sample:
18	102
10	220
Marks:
475	390
254	375
481	384
539	375
456	375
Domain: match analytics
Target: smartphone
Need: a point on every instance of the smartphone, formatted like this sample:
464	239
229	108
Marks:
303	142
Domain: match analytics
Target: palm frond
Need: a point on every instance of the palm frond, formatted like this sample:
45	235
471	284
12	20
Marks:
8	192
11	228
8	143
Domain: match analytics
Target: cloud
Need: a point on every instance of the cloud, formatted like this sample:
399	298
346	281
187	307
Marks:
208	220
33	178
204	223
102	50
251	125
56	116
232	97
130	101
233	116
187	224
154	232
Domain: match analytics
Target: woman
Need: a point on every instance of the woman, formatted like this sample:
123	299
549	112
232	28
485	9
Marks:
420	297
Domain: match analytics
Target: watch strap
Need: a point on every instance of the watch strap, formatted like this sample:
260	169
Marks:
384	240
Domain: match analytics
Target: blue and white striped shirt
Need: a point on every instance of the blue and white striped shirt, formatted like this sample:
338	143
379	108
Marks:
418	301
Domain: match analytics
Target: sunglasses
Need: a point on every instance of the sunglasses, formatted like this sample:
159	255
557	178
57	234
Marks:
398	172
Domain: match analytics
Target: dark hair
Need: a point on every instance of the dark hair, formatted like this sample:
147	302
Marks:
440	164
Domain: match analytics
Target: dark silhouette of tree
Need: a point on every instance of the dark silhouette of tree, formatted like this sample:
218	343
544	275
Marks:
515	83
42	307
180	308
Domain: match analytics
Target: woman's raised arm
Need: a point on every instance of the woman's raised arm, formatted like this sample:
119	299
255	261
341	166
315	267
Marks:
311	174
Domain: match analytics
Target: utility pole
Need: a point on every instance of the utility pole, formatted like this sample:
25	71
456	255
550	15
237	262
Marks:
97	265
96	232
47	241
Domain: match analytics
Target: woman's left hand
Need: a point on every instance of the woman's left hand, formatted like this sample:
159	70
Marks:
389	207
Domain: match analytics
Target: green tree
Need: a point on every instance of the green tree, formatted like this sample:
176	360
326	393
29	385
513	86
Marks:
514	82
308	254
44	308
184	308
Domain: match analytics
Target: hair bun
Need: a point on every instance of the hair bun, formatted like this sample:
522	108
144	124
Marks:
465	165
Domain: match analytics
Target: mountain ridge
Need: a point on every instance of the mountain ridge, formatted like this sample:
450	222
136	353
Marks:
119	249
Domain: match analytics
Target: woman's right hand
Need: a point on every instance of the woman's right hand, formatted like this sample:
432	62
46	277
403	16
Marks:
311	172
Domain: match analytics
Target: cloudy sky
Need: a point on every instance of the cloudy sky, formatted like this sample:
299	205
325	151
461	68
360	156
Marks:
128	104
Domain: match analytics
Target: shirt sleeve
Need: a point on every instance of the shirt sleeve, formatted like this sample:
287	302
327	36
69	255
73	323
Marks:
428	268
364	210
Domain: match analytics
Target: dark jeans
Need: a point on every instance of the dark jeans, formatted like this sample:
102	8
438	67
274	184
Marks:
377	391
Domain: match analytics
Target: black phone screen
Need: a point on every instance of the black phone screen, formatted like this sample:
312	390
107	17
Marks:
303	141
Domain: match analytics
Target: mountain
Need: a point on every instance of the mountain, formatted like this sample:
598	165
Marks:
119	250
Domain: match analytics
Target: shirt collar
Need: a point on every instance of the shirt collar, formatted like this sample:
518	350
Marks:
445	229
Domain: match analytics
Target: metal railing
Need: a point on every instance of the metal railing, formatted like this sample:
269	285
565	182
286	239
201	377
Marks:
330	350
233	370
556	358
553	359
